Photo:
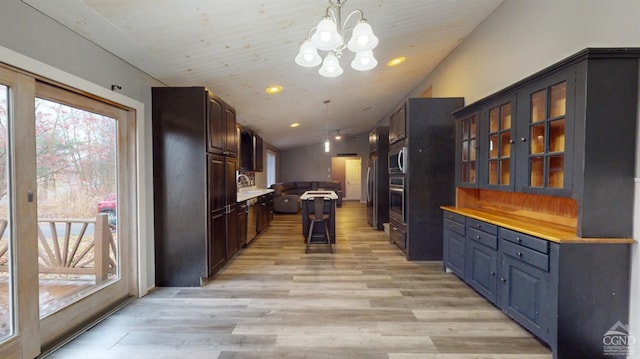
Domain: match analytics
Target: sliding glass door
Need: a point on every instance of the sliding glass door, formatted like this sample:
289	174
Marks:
67	211
7	314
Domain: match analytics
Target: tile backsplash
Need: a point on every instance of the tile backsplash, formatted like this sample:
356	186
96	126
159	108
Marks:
242	181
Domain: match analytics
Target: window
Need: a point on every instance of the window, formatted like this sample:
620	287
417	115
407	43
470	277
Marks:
271	167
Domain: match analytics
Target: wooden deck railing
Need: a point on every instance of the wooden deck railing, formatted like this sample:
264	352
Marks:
75	252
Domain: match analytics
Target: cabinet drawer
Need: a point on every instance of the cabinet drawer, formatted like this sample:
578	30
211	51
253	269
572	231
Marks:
525	254
397	235
482	226
454	227
484	238
454	217
528	241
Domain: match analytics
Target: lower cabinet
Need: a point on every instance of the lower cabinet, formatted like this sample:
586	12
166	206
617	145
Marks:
233	238
217	241
454	252
264	212
454	232
242	223
398	234
482	271
568	294
524	294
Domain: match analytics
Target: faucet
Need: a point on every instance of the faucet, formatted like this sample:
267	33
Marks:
245	182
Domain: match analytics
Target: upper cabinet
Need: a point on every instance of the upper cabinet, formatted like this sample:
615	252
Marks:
498	138
545	134
467	150
258	153
397	125
518	140
568	131
251	150
222	137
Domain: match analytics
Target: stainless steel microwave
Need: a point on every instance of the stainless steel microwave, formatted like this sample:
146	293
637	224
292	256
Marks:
398	160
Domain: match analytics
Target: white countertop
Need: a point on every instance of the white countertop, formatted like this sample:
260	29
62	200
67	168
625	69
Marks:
251	192
312	194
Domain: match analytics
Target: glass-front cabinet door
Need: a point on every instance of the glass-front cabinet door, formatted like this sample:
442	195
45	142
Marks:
497	144
547	137
468	151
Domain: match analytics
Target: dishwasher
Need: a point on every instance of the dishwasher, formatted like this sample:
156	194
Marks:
251	219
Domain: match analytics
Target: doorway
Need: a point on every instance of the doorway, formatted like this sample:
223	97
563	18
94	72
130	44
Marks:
348	171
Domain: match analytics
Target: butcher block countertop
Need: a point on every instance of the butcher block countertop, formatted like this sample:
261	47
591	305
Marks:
543	229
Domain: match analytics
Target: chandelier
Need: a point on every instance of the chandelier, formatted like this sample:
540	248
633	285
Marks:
329	36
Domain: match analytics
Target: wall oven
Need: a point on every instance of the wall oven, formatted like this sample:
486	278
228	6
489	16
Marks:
397	160
397	199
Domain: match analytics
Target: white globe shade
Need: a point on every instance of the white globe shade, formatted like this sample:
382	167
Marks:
362	38
326	37
364	61
330	66
308	55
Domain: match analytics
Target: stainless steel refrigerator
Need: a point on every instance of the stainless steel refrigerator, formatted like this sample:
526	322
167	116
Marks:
378	178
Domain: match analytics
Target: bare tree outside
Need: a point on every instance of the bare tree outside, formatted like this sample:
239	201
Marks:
76	160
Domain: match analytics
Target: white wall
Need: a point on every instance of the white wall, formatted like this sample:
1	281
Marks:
311	163
522	37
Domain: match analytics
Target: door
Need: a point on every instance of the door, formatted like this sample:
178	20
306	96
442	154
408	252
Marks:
65	239
85	198
524	294
454	248
353	176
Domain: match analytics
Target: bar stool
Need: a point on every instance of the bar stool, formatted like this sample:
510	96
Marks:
318	215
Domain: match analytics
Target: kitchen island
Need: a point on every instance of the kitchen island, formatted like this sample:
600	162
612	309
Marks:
330	198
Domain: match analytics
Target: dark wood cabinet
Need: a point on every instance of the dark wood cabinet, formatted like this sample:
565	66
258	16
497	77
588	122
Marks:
251	151
397	124
258	153
242	224
221	127
398	234
246	149
233	232
194	183
428	178
264	212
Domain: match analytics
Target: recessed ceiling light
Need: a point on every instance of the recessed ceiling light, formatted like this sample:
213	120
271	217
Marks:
397	61
295	124
272	90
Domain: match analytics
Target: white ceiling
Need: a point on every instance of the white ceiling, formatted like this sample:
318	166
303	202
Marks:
238	48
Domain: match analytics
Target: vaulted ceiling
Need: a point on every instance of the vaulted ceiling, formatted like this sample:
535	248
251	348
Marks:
238	48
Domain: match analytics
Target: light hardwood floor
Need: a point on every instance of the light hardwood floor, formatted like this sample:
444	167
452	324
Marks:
273	301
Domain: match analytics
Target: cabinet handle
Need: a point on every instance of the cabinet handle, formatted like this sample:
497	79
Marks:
478	225
512	141
493	273
523	139
477	237
519	254
450	217
518	239
503	280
